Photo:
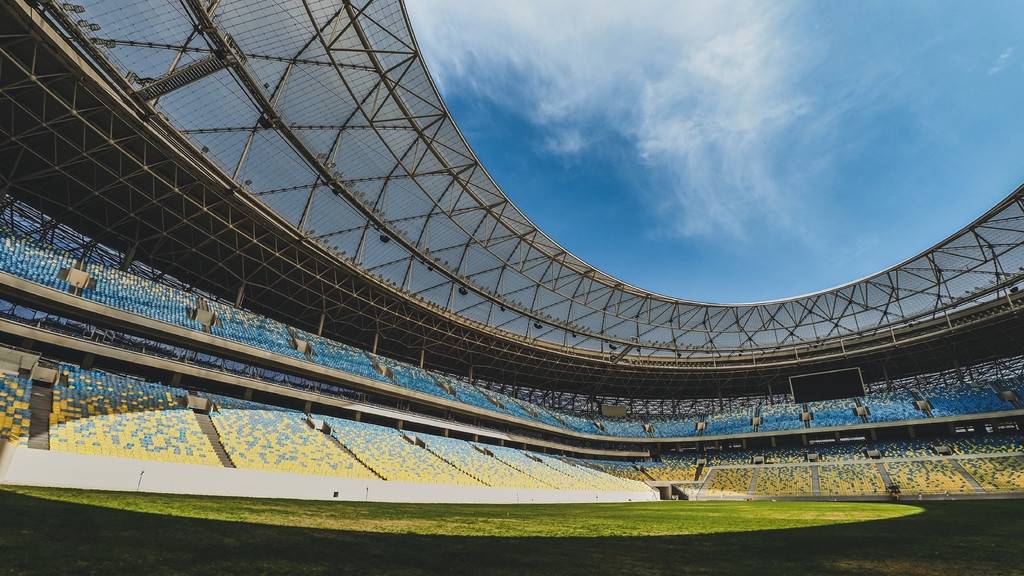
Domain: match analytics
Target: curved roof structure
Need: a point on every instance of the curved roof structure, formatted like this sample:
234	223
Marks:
325	111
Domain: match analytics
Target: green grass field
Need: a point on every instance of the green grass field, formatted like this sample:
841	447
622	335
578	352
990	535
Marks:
47	531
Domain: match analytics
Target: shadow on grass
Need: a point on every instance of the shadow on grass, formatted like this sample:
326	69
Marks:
45	536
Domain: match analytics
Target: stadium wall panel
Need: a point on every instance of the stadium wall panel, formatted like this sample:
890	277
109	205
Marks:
30	467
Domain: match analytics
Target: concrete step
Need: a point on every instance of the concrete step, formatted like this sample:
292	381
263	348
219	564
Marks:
967	475
815	481
40	404
206	425
453	465
753	481
355	456
523	472
884	473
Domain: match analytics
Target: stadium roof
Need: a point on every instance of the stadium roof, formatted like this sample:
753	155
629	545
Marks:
325	112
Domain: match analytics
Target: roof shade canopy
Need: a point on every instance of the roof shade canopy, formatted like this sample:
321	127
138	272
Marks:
325	112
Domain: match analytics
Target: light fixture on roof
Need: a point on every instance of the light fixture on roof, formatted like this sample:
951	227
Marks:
463	291
538	325
612	347
384	238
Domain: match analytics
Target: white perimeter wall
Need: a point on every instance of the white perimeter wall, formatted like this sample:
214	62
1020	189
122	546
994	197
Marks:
29	467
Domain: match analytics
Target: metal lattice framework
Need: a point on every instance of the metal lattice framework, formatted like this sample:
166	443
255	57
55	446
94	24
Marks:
325	112
264	167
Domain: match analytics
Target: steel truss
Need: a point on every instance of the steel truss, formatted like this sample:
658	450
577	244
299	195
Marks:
144	173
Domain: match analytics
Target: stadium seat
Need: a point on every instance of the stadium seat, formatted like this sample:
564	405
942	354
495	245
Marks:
784	481
282	441
849	480
927	477
996	474
729	482
14	408
166	436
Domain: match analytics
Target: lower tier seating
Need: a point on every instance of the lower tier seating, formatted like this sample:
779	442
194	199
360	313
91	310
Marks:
14	412
480	464
167	436
849	479
928	477
626	470
784	481
395	457
996	474
729	482
282	441
672	468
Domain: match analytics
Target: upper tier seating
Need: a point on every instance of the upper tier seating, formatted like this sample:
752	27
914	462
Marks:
625	426
165	435
665	427
784	481
94	393
955	400
412	377
164	303
889	407
341	357
833	413
14	410
728	423
282	441
34	263
780	417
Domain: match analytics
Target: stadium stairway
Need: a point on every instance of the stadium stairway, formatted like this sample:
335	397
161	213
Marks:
40	404
756	472
884	473
644	471
456	466
815	481
206	425
334	440
967	475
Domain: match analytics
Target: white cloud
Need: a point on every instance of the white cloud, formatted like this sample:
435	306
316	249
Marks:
702	91
1001	62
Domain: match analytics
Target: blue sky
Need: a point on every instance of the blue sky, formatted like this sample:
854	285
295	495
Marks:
741	151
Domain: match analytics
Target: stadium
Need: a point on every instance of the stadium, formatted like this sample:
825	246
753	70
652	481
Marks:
263	310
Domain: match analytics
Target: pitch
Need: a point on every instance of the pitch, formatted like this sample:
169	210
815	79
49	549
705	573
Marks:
49	531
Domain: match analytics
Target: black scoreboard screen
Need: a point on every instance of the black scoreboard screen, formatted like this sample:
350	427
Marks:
832	385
